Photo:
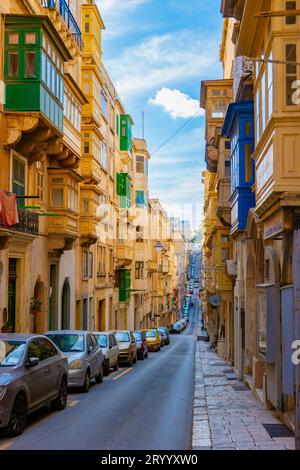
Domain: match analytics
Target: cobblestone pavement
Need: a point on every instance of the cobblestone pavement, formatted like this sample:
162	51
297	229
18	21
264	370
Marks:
227	419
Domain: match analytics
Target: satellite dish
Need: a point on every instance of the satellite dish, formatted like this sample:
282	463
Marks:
215	300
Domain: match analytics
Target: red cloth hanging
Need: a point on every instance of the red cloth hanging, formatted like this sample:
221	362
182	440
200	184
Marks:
8	209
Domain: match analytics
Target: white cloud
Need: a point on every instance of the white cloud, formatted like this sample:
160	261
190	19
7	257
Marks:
176	103
162	60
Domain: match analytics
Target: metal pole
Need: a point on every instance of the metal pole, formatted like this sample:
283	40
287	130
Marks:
296	276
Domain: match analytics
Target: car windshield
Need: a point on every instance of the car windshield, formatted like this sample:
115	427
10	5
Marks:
11	352
102	340
68	343
163	330
150	334
122	337
137	335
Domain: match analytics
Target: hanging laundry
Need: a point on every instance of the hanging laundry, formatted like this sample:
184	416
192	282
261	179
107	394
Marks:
8	209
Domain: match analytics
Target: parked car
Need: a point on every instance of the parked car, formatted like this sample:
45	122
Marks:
33	372
175	328
166	334
141	342
153	339
84	355
162	338
127	346
110	350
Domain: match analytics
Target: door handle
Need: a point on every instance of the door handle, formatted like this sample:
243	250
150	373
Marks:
46	371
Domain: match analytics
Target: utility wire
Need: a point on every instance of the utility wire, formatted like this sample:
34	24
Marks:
175	133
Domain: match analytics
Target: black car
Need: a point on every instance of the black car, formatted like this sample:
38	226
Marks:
142	345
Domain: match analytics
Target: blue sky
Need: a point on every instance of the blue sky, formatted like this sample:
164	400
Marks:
157	52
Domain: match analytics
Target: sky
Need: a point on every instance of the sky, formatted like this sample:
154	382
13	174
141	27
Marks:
157	52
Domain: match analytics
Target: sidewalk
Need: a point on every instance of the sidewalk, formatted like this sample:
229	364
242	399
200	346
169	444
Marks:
226	417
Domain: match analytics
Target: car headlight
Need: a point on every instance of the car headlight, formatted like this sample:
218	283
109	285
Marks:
2	392
78	364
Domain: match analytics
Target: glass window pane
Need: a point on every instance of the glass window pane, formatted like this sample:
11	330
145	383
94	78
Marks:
248	163
13	38
30	38
13	63
30	64
57	197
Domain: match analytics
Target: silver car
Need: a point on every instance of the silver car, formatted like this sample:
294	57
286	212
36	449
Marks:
84	355
110	349
33	372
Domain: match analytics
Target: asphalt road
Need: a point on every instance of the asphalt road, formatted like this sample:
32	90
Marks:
147	407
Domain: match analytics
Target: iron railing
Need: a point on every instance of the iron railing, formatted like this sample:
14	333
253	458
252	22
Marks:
64	9
28	222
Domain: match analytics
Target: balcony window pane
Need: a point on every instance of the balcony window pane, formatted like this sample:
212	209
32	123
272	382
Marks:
30	38
263	101
13	64
270	87
291	72
18	177
44	65
290	6
219	109
13	38
30	68
248	163
248	129
57	196
227	168
140	164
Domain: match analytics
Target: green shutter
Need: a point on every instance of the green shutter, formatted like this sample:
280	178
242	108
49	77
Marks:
124	285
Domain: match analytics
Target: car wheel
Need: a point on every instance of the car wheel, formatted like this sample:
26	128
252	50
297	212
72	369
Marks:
99	377
18	417
106	368
135	359
116	366
86	385
130	362
60	401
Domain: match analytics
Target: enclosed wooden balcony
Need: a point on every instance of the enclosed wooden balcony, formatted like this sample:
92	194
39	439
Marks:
63	226
125	252
223	208
34	79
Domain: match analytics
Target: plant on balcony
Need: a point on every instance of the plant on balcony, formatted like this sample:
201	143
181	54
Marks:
35	306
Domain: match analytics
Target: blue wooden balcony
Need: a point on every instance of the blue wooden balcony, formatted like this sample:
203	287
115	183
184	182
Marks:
64	9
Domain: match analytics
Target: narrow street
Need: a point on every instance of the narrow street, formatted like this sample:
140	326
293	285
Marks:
147	407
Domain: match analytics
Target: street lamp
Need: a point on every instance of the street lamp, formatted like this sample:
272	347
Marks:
159	246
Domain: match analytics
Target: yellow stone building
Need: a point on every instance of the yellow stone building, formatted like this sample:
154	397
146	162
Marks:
80	255
217	294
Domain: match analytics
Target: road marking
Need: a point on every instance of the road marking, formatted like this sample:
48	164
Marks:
122	373
6	445
72	403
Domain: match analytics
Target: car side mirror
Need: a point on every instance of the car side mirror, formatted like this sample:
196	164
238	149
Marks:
90	349
32	362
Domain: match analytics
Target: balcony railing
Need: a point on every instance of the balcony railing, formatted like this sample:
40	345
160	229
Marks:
28	222
63	7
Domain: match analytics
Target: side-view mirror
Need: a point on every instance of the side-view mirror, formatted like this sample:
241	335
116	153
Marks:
90	349
32	362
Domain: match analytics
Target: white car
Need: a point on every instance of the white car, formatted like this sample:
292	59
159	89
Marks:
110	349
